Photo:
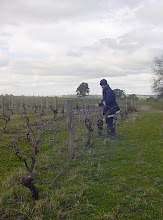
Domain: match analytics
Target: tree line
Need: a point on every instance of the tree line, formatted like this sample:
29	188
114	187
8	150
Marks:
157	84
83	90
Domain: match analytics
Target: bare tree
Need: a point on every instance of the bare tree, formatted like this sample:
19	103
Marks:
33	136
157	69
6	118
100	126
55	111
88	124
9	108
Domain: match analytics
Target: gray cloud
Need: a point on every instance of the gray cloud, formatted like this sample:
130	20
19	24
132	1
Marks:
47	44
3	63
151	13
20	11
4	60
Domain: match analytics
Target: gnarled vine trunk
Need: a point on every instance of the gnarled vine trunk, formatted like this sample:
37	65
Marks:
27	182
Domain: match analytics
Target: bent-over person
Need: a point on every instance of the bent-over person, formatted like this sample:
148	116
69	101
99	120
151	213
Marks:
110	107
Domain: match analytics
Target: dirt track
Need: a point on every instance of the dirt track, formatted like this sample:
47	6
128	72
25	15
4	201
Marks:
146	108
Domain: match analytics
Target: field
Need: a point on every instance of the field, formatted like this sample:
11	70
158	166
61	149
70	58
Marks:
118	178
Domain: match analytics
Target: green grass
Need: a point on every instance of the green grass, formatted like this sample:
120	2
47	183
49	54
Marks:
110	179
155	105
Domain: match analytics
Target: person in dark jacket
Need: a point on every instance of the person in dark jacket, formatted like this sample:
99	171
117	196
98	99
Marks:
110	106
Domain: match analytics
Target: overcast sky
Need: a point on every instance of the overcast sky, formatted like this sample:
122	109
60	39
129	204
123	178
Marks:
49	47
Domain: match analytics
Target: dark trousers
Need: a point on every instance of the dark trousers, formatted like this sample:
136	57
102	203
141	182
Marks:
110	126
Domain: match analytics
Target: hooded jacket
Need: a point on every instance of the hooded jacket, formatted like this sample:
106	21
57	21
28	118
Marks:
109	102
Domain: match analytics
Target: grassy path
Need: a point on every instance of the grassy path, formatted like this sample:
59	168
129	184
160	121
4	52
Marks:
122	178
112	179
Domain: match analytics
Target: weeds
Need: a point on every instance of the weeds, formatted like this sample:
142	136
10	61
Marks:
113	179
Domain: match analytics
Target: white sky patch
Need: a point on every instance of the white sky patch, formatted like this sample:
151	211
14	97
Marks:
51	47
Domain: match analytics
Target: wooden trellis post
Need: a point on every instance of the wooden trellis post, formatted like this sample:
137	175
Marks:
126	105
47	103
3	110
41	103
21	102
12	101
70	128
55	101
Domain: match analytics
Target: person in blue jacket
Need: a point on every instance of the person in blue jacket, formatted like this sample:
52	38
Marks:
110	106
